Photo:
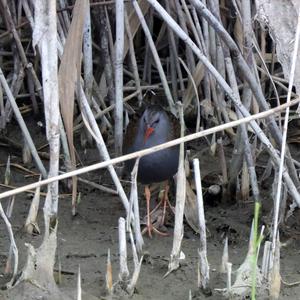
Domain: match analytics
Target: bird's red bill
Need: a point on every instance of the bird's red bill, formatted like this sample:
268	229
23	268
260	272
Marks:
148	132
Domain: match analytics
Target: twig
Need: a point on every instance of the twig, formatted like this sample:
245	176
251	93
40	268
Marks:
100	114
140	153
98	186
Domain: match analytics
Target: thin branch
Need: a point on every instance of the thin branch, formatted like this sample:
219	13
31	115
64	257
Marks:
141	153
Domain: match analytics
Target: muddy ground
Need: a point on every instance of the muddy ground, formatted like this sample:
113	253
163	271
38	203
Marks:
85	239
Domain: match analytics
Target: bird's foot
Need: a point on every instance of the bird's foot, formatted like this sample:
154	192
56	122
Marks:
152	228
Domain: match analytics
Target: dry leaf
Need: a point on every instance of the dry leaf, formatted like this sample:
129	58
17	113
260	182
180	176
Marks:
135	23
69	74
198	75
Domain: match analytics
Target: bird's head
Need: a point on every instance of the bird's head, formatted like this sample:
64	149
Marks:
151	120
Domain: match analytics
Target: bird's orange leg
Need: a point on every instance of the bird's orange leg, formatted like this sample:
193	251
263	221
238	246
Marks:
148	197
164	202
149	226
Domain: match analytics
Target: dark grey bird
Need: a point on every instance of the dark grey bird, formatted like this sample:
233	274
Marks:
155	127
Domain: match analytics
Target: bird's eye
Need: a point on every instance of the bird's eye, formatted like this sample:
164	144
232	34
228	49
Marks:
156	122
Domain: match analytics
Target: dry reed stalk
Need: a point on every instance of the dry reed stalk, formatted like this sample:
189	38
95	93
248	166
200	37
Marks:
206	84
107	77
229	285
225	257
7	174
187	94
275	259
13	251
79	292
265	71
134	203
266	259
133	59
203	281
181	18
20	49
31	225
174	50
134	21
274	278
118	116
176	252
137	266
15	89
191	23
171	64
101	114
22	125
155	57
251	80
59	271
222	159
147	74
108	276
220	79
124	273
65	14
244	139
10	207
69	74
131	286
2	111
32	95
141	153
108	69
38	269
88	61
244	274
87	112
245	184
98	186
219	63
26	155
110	38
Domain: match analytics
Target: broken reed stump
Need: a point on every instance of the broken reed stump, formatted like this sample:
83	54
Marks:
203	280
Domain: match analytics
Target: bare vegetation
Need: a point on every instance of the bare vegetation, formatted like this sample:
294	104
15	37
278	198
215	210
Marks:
83	68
